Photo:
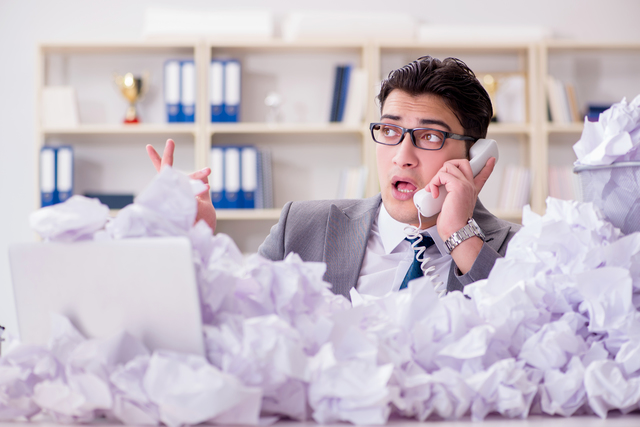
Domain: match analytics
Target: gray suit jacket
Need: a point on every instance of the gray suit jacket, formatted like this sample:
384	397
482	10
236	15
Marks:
336	232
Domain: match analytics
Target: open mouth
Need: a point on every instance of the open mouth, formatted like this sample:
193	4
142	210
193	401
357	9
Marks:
405	187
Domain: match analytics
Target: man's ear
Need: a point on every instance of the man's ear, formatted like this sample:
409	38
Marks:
469	144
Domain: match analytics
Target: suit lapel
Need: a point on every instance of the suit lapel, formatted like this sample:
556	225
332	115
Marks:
346	240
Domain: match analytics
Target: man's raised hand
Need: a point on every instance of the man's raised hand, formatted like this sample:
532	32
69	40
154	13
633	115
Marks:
206	211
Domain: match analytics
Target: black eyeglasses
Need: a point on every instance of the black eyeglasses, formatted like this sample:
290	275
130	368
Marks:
422	138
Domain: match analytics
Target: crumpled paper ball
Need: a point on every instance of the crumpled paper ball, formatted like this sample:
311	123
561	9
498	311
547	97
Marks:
78	218
614	138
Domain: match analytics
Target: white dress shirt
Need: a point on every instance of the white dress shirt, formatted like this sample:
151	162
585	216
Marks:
388	256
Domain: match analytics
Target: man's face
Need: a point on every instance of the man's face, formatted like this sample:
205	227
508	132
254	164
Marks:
404	169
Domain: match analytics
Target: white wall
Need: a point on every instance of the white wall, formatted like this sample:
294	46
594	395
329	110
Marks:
24	23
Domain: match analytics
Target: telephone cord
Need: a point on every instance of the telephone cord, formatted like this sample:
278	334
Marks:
417	237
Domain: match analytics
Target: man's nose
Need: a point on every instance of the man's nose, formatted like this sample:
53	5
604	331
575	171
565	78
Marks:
405	156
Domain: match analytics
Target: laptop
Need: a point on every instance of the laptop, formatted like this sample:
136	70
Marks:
145	286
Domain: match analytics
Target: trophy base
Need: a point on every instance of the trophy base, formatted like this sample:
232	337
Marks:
131	116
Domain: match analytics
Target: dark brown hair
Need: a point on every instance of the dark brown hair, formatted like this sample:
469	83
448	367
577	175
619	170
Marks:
453	82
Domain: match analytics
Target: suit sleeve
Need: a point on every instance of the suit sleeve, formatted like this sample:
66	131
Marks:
484	262
273	247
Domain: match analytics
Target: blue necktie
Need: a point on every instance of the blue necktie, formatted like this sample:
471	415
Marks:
414	269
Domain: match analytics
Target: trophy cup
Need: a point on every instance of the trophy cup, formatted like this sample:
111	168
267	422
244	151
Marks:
133	89
490	83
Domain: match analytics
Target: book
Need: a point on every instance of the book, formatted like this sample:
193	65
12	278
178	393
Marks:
557	101
344	89
172	90
266	179
232	78
516	188
216	91
562	102
47	176
187	91
64	173
113	201
337	88
563	182
573	103
249	176
216	179
231	193
353	183
354	110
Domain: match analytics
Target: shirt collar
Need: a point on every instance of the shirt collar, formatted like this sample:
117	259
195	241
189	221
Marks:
392	232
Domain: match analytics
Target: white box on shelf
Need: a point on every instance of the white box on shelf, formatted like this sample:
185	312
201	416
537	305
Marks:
348	25
59	107
164	22
482	33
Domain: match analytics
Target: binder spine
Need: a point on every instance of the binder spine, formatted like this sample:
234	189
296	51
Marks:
232	177
216	94
232	78
64	173
47	176
172	90
344	89
249	182
335	101
188	91
216	179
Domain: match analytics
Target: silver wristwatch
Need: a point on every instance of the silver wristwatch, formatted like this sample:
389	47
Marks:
466	232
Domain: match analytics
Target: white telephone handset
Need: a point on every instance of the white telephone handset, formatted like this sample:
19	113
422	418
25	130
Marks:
479	153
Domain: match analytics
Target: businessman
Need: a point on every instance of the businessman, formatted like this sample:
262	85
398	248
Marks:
431	113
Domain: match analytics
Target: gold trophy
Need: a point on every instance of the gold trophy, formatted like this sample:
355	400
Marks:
133	89
490	83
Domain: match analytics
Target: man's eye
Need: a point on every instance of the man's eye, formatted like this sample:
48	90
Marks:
431	136
388	131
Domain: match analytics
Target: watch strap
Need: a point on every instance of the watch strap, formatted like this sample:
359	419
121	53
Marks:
468	231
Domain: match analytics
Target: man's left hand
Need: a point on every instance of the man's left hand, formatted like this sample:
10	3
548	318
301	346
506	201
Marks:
463	189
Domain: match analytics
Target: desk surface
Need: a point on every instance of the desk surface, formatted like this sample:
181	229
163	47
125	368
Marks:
615	419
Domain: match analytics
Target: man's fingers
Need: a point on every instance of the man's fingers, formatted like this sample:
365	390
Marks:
485	173
202	175
167	155
155	157
205	196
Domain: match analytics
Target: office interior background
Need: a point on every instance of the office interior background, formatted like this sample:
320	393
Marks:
26	23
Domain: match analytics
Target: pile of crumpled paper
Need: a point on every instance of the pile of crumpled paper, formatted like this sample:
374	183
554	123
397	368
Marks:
555	329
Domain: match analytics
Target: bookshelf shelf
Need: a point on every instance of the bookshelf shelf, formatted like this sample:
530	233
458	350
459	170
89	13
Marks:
284	128
509	129
509	215
122	129
569	128
235	214
248	214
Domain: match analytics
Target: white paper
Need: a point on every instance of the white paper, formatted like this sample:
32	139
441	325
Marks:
614	138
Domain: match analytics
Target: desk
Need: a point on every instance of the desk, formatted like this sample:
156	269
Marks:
615	419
